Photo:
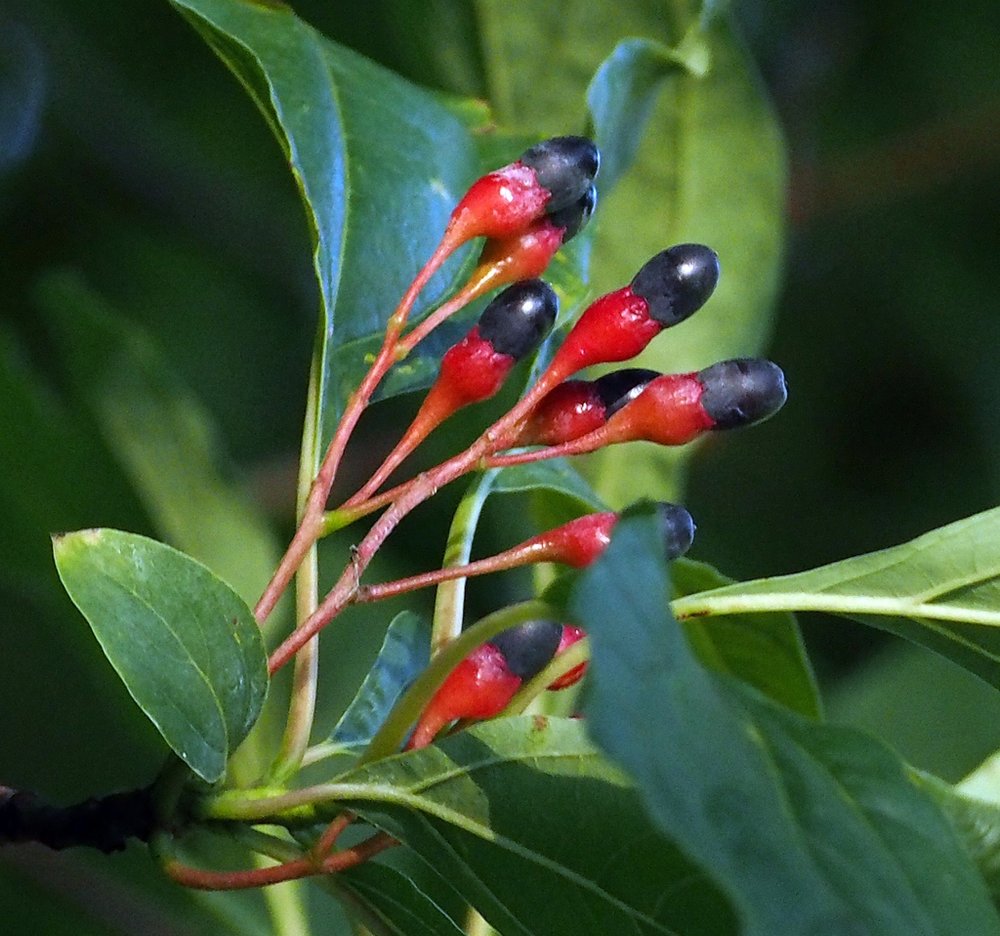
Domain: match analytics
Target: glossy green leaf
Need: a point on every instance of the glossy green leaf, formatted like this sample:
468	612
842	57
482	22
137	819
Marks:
765	650
162	437
540	833
380	164
933	590
186	646
404	654
769	803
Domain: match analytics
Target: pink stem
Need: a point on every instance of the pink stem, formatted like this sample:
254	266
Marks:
312	518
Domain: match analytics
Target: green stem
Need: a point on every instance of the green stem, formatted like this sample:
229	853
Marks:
286	903
324	750
570	657
302	704
449	603
704	604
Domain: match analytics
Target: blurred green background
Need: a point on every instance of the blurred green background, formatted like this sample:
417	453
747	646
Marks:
131	158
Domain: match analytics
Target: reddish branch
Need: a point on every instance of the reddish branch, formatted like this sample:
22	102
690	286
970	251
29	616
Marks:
276	874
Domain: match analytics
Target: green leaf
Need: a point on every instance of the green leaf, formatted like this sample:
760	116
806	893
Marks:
537	831
622	95
405	896
186	646
974	810
161	435
769	803
404	654
380	164
555	476
765	650
933	590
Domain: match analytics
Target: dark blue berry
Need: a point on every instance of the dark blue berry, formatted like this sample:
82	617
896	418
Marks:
529	646
518	318
676	529
565	166
742	392
622	386
574	218
677	282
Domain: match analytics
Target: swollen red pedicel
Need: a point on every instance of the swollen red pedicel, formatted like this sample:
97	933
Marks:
471	370
479	687
577	543
615	327
500	203
668	411
522	255
571	410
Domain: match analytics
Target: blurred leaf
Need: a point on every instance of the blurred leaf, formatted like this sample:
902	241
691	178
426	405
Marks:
22	94
525	819
769	803
623	92
404	654
53	476
974	809
186	646
932	590
764	651
904	694
162	436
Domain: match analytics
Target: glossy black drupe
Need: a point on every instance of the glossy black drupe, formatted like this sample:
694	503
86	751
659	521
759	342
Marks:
676	529
574	217
742	392
516	320
622	386
529	646
677	282
565	166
